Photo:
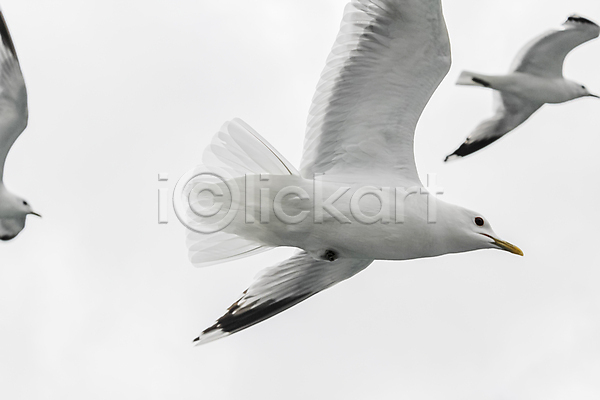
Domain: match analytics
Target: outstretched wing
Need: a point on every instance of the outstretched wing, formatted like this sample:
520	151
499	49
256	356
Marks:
388	59
13	96
544	56
511	111
279	288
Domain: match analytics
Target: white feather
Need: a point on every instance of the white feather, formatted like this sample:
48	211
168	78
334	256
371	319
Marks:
388	59
238	150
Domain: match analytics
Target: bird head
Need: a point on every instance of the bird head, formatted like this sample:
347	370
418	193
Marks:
579	90
472	231
20	208
490	239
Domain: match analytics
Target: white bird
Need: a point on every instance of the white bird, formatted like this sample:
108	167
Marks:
536	78
13	120
387	61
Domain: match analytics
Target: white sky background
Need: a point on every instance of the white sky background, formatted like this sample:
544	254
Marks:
98	301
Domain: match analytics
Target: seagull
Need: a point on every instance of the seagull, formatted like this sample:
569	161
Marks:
13	120
536	78
245	198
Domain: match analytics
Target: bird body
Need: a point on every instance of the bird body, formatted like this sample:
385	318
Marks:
357	196
530	88
536	78
396	228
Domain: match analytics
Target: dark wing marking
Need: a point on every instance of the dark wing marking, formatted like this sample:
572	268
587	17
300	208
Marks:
581	20
511	111
6	38
279	288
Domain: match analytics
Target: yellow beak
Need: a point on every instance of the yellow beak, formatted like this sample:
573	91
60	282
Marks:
511	248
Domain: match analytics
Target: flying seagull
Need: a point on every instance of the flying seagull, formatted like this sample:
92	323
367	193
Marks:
387	61
536	78
13	120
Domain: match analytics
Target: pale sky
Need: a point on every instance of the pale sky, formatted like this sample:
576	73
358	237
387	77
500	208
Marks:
99	301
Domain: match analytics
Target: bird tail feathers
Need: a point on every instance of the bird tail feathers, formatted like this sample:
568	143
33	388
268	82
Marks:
235	151
240	150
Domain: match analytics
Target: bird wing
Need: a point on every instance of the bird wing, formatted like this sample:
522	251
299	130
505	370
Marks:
279	288
11	227
511	111
13	95
388	59
544	56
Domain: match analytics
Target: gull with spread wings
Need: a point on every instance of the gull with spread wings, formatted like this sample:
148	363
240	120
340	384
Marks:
13	120
387	61
536	78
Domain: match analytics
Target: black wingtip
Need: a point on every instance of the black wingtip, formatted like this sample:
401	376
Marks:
239	318
481	82
453	156
471	146
6	39
580	20
234	321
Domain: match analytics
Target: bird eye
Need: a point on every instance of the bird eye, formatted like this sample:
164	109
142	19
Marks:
479	221
25	203
583	87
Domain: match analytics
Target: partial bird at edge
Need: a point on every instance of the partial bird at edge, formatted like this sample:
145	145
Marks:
13	120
